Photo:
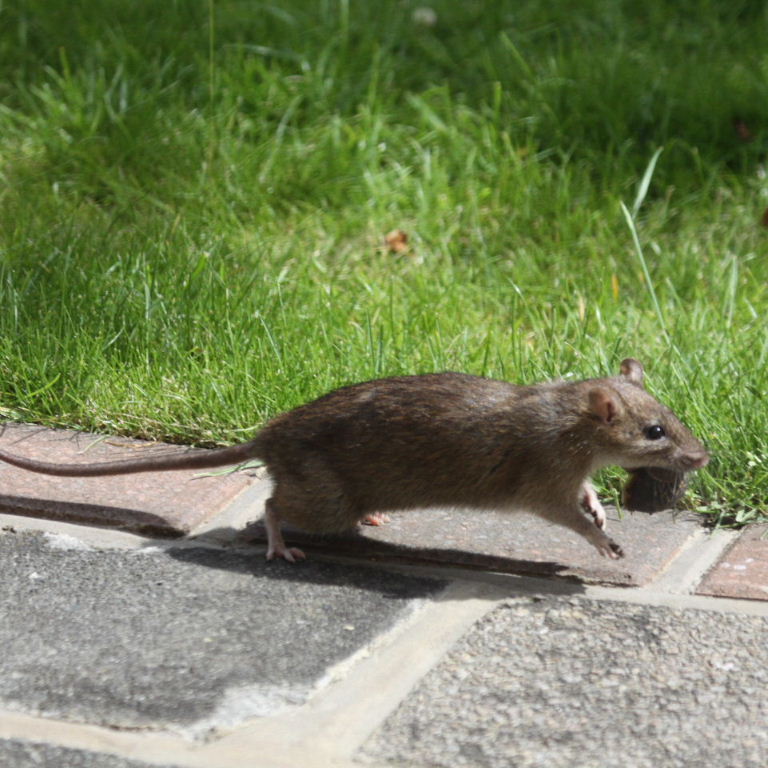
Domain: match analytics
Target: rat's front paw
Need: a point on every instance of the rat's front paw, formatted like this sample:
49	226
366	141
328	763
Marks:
592	506
614	551
609	548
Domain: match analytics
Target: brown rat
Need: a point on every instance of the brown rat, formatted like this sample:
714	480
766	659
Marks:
445	439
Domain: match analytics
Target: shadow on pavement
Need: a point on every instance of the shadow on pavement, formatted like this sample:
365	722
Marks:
366	552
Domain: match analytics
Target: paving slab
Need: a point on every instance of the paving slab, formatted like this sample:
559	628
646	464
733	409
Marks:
159	503
574	683
15	753
511	543
742	571
184	639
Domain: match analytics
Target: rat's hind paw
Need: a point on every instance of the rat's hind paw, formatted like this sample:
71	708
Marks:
375	518
291	554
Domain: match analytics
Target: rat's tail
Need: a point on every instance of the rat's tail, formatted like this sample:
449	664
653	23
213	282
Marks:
186	459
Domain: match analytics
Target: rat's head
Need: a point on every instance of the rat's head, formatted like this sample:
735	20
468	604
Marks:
633	429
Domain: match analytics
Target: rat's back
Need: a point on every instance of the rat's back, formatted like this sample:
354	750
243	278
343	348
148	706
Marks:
401	441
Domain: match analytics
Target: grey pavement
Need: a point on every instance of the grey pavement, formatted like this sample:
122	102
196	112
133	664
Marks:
442	639
565	682
188	639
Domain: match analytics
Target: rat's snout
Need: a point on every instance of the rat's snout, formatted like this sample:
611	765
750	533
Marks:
695	459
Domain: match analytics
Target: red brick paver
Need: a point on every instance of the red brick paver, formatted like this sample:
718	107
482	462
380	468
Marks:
164	503
743	570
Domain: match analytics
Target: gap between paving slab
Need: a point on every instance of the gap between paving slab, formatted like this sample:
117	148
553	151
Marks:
335	722
521	585
684	573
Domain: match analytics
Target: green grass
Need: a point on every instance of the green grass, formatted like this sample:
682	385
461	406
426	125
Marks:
193	199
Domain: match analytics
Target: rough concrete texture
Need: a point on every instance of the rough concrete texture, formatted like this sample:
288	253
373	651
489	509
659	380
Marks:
513	543
158	502
187	639
573	683
743	570
15	753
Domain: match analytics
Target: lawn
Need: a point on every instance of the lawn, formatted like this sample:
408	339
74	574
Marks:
195	197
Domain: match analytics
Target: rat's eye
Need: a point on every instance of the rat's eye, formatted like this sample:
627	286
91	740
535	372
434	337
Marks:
655	432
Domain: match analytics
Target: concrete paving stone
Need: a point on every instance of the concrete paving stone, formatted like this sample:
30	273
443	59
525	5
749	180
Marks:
15	753
575	683
742	571
164	503
514	543
185	639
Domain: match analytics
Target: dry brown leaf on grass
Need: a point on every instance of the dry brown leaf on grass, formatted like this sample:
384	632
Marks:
397	241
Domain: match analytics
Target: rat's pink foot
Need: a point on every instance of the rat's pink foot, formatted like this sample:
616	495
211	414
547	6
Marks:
375	518
592	506
275	544
613	550
291	554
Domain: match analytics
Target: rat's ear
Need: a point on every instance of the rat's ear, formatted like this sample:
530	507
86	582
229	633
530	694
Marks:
604	404
631	369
